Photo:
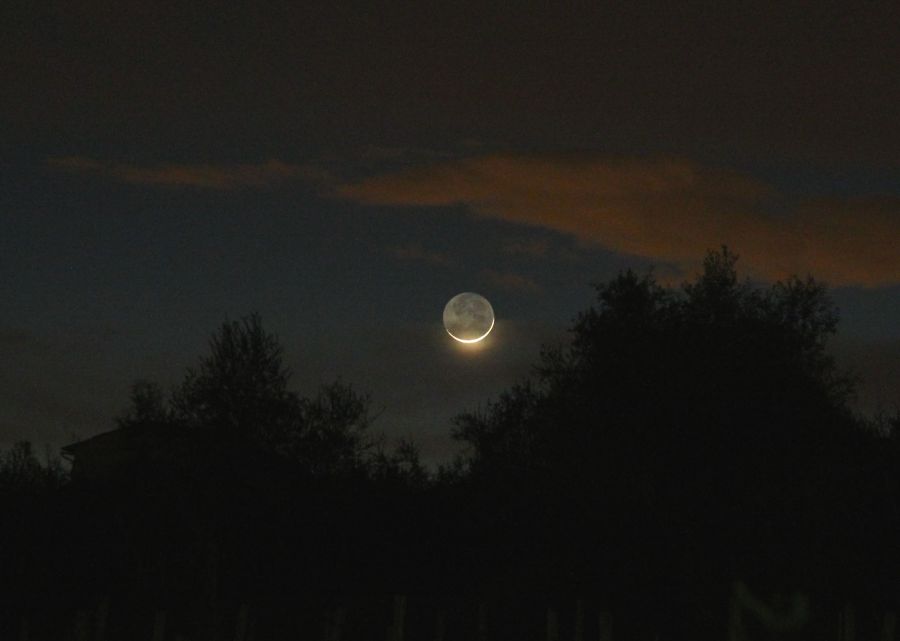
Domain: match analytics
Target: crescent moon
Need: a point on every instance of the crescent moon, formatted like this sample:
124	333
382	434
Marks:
468	317
472	340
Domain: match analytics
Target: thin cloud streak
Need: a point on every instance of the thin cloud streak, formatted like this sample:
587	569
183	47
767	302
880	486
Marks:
526	247
511	281
667	209
415	252
216	177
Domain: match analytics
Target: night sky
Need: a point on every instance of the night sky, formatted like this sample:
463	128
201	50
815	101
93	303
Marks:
345	170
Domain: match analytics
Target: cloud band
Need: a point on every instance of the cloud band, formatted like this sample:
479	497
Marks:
667	209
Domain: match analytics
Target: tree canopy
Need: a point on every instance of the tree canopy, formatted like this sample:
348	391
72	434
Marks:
718	354
707	415
240	393
22	473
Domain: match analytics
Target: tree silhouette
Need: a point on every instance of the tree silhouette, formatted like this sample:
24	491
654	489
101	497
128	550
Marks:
648	364
684	442
240	387
240	480
684	437
22	473
148	406
239	394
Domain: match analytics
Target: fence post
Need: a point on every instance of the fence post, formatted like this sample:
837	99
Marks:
240	630
159	626
579	620
735	625
552	625
101	616
888	626
604	626
440	625
847	624
482	621
395	631
81	625
335	623
212	589
23	628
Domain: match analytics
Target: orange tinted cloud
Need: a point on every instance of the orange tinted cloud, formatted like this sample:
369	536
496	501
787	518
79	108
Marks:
510	280
416	252
526	247
666	209
183	175
856	240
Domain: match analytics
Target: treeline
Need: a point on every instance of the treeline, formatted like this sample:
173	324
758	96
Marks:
683	439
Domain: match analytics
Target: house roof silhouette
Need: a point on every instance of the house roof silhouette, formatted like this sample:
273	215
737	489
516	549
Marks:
122	450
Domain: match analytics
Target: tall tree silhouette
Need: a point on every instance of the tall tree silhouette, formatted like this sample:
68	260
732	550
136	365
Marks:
241	386
239	393
649	365
23	474
693	434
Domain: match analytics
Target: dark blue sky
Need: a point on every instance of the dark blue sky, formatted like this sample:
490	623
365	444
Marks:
345	172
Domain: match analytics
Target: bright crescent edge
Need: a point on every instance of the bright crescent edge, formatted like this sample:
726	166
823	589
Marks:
472	340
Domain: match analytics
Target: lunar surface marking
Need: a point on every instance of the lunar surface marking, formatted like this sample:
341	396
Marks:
468	317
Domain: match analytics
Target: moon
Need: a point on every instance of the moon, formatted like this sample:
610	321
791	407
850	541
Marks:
468	317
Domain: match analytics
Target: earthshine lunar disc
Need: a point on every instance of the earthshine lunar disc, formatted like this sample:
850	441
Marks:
468	317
